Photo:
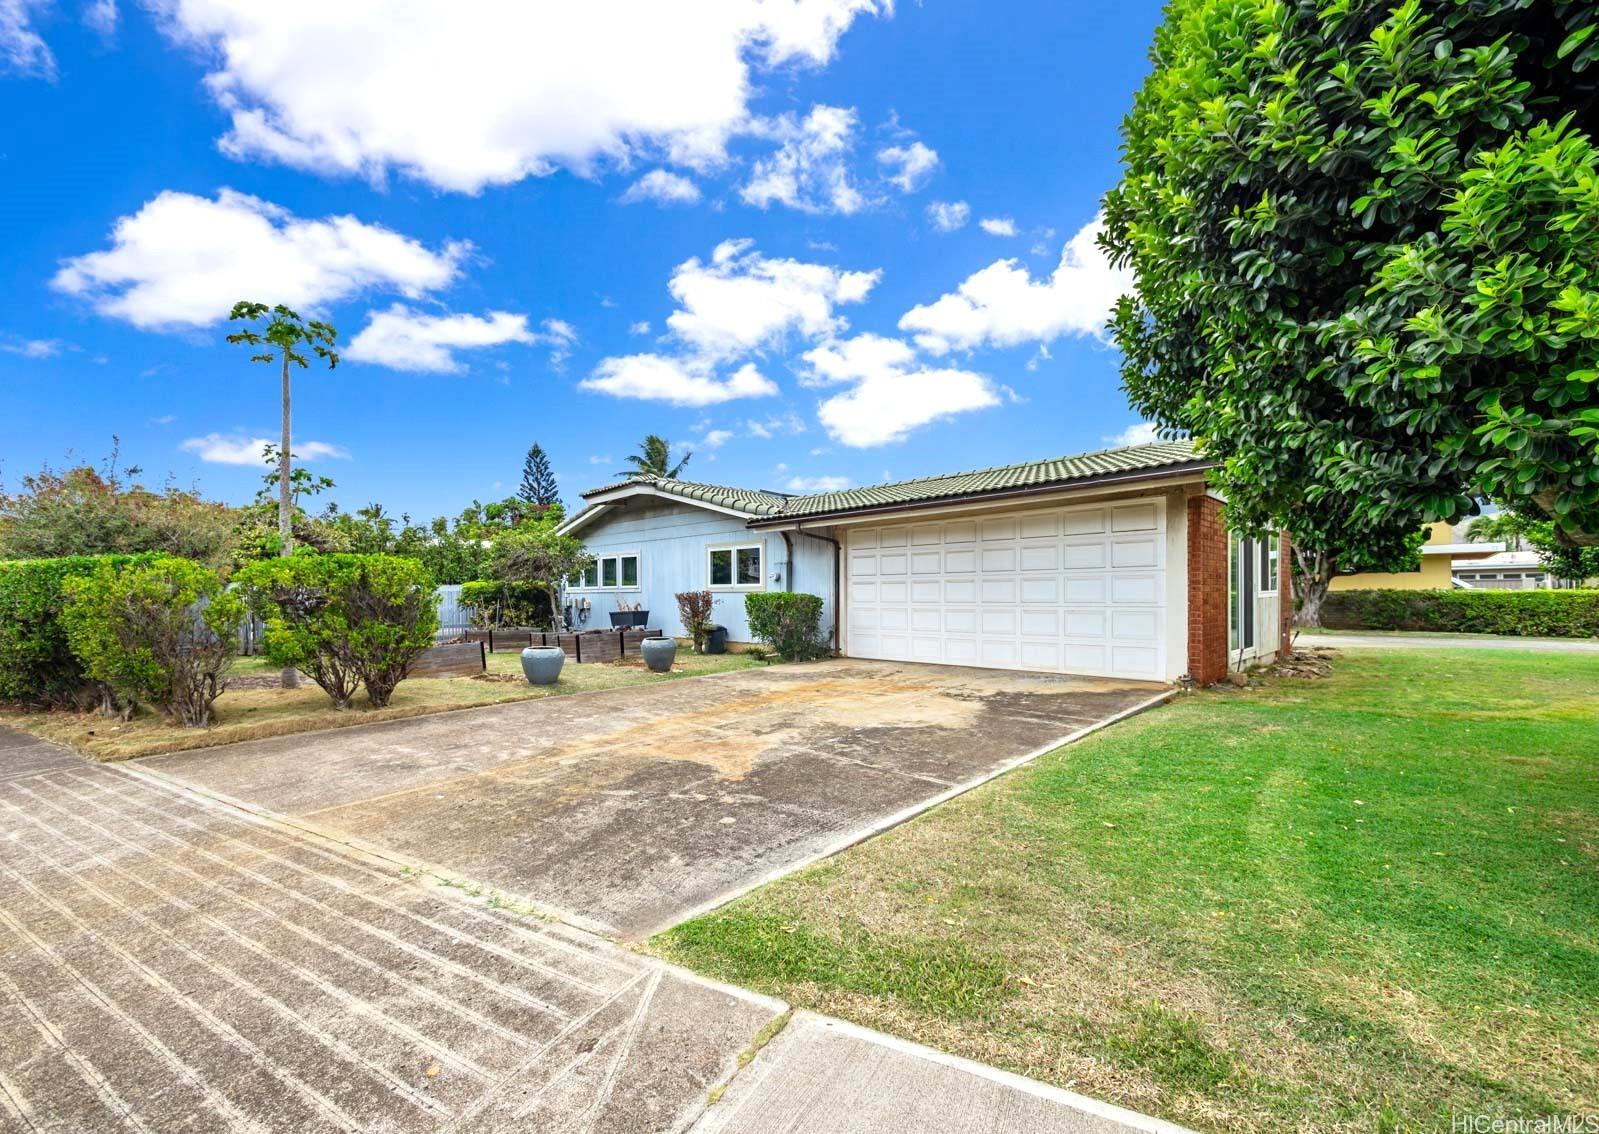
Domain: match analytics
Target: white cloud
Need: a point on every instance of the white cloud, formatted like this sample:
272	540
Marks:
464	96
403	338
998	226
32	348
1002	305
642	327
598	460
817	483
100	17
1144	433
948	216
810	171
236	449
910	166
681	382
742	301
663	187
183	261
716	438
893	393
886	407
164	419
850	360
22	51
789	422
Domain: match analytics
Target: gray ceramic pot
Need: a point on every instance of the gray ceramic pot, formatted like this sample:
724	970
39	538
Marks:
541	665
658	653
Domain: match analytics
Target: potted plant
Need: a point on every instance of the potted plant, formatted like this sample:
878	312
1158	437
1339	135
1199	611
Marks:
629	614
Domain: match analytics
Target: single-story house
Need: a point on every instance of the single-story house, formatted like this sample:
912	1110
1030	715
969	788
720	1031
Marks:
1112	563
1433	572
1509	571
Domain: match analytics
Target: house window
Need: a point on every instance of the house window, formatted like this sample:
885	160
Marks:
736	567
1271	549
609	572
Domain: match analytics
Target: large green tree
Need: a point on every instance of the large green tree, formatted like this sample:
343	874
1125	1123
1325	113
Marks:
1363	238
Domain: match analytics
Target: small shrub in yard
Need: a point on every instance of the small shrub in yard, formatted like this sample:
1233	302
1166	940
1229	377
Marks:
37	665
162	633
1533	614
694	608
789	622
346	620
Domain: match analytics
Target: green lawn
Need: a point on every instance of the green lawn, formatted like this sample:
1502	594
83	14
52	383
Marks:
1362	903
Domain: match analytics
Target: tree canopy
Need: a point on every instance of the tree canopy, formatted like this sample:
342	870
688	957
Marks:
1363	239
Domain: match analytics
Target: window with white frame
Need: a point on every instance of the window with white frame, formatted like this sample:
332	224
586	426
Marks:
609	573
1271	549
736	566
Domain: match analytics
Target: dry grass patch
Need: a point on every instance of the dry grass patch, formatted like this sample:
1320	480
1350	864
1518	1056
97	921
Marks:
254	713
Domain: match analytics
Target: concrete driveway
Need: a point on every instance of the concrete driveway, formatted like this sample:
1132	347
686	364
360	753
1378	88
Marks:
629	810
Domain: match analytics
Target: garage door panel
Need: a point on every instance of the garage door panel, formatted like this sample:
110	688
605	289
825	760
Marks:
1075	590
999	559
1042	557
1080	556
960	590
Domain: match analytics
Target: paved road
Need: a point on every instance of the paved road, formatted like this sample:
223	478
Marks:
173	962
1449	642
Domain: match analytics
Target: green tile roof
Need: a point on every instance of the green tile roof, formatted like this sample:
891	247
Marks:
980	482
762	506
752	500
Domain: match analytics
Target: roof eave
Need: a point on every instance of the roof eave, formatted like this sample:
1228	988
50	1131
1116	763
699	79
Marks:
1164	472
628	491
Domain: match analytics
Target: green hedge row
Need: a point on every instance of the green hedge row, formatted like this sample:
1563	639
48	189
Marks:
37	665
1534	614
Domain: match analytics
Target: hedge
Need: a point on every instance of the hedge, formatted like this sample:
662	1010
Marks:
1531	614
37	665
789	622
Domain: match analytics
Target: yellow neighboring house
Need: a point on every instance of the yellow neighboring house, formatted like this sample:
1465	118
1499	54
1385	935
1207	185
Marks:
1438	555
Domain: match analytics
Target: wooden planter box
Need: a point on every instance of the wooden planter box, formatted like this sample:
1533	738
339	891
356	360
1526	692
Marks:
458	659
597	645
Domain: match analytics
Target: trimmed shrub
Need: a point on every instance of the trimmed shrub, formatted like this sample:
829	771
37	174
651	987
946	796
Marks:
694	609
497	603
37	665
789	622
1533	614
345	619
163	633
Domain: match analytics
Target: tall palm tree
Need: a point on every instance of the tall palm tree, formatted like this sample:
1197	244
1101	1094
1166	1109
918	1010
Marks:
654	458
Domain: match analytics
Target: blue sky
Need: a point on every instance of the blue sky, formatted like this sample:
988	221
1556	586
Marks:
820	242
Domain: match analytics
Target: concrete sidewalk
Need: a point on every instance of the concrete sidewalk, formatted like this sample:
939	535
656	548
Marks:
1355	640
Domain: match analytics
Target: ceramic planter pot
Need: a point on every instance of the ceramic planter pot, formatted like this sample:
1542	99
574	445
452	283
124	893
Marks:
541	665
658	653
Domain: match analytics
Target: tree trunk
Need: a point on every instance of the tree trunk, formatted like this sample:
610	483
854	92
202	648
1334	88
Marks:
1311	580
290	677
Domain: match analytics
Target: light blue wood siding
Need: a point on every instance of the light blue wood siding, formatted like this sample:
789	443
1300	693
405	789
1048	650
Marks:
671	541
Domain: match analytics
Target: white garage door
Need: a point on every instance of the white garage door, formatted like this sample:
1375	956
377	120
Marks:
1069	590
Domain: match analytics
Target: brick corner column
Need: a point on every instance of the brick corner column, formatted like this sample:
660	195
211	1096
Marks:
1207	591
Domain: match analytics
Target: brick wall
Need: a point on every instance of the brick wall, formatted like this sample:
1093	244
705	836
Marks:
1207	591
